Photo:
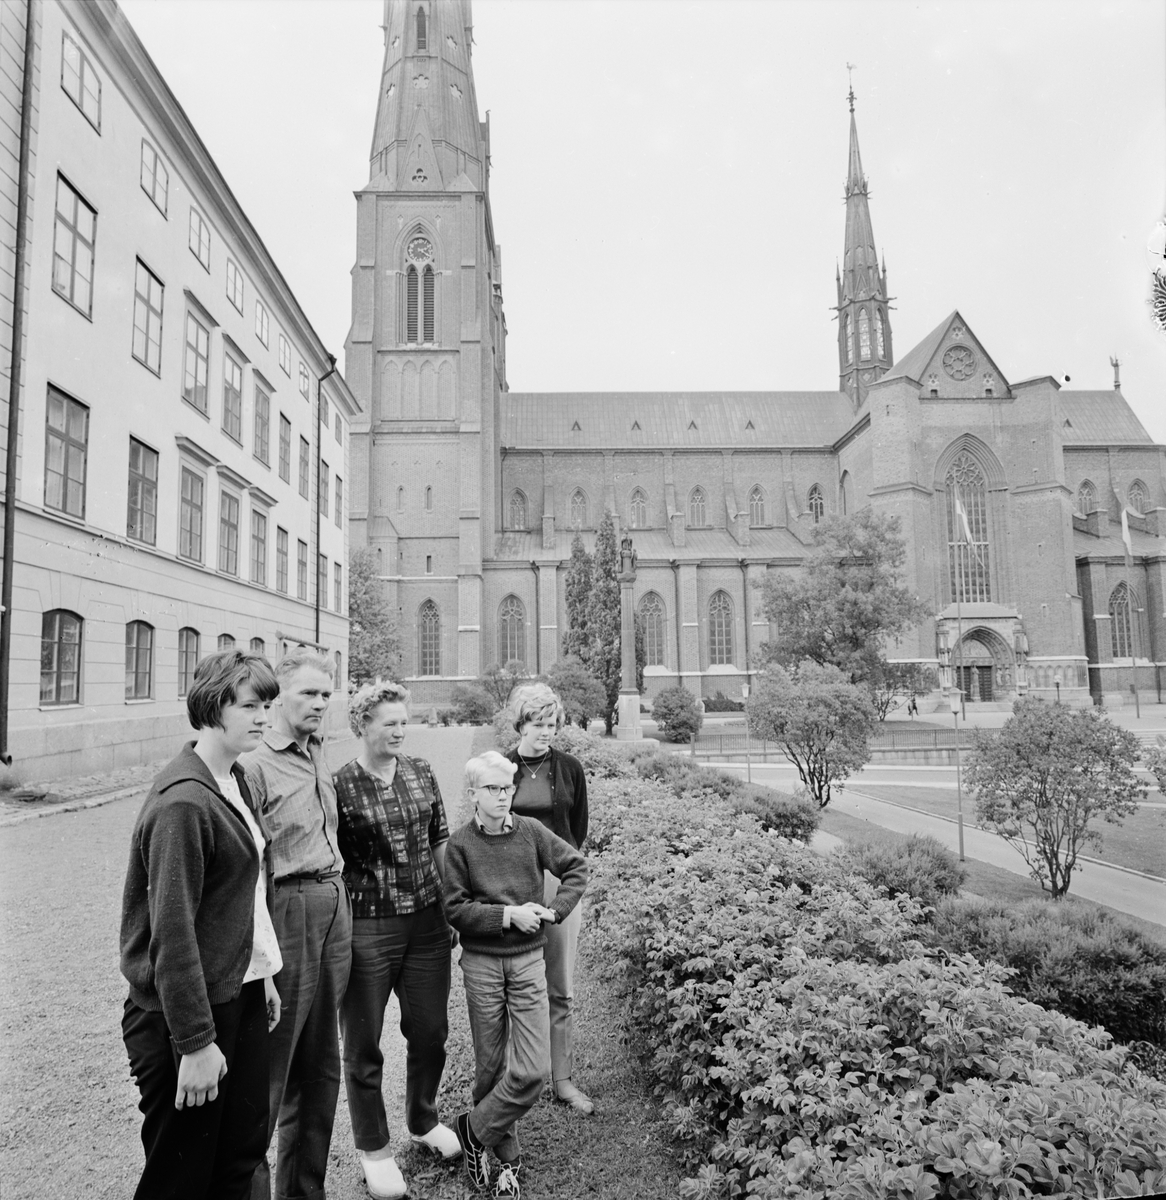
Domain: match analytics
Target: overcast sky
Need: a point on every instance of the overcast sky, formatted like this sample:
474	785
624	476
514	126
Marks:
667	174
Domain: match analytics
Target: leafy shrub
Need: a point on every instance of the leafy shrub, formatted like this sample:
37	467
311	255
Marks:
1080	961
921	867
796	816
722	703
505	735
676	714
472	705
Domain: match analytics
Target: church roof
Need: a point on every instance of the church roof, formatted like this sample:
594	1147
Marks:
1102	418
609	420
914	362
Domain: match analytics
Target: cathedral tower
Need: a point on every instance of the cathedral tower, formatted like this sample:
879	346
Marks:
864	325
425	352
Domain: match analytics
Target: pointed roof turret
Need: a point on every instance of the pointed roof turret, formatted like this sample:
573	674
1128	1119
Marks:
860	260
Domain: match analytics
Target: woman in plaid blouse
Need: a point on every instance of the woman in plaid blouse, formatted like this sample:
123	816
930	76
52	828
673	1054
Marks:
392	834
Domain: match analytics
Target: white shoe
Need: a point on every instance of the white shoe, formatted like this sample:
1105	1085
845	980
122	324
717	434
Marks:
441	1140
383	1177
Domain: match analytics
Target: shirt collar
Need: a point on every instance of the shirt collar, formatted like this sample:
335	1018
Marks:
279	737
507	824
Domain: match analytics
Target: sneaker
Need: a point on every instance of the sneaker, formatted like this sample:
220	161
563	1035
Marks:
507	1182
384	1178
473	1152
440	1139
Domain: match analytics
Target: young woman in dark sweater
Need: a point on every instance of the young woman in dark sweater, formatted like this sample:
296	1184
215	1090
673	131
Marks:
199	950
552	788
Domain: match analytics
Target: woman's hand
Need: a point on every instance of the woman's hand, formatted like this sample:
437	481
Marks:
198	1076
273	1005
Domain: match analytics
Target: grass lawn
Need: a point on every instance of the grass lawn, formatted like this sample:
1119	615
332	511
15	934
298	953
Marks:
1138	842
983	879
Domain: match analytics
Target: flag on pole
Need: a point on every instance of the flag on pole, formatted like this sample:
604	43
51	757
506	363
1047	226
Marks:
962	517
1125	524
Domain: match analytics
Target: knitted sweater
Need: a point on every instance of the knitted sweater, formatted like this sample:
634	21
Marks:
188	910
485	872
568	796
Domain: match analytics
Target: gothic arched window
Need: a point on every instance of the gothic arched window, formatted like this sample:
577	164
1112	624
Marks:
1121	621
579	509
1086	498
864	335
816	503
1138	498
757	506
638	510
652	615
428	499
847	339
422	34
428	639
420	305
517	511
880	334
400	499
967	530
720	630
60	657
511	630
697	507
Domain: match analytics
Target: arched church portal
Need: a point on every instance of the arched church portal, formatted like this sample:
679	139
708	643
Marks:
983	666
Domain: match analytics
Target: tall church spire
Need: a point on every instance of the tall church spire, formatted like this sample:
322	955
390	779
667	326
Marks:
864	327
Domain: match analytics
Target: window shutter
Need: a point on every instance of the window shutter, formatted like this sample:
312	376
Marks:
428	284
411	305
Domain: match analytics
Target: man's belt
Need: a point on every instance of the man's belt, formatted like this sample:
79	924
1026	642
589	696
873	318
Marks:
308	877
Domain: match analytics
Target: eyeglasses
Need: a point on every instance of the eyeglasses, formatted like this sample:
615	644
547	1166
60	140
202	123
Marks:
496	789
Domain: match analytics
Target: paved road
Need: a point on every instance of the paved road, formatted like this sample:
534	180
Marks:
69	1124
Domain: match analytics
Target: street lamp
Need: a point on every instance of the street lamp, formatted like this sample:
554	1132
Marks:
1057	684
955	698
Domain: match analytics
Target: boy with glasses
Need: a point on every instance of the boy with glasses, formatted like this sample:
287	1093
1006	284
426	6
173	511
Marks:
493	889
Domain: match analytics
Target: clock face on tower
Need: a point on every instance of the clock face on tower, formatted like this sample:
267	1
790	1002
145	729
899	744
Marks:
959	362
420	249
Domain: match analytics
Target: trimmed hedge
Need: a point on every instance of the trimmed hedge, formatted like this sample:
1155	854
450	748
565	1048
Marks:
921	867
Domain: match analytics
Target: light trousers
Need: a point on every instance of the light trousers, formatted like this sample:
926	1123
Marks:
559	955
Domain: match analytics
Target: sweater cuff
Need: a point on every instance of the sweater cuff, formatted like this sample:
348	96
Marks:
198	1041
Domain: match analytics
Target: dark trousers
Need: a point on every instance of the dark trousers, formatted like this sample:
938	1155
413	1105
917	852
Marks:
408	955
210	1151
314	923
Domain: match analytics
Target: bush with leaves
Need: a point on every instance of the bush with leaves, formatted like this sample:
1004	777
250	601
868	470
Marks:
374	643
719	702
921	867
471	705
583	697
676	715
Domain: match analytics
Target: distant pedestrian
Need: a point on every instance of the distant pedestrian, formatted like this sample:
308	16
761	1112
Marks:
494	880
912	707
292	785
393	835
199	950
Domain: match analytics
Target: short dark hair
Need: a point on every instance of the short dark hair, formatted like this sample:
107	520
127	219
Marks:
217	681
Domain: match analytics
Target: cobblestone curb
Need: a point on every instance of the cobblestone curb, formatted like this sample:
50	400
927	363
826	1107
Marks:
67	806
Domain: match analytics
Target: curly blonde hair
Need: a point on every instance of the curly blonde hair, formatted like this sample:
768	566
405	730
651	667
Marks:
369	698
536	702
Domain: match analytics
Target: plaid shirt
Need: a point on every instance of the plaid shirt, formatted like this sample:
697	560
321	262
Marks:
387	835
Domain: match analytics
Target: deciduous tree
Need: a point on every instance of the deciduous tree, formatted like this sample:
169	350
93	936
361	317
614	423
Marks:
374	644
896	680
499	681
1044	779
583	696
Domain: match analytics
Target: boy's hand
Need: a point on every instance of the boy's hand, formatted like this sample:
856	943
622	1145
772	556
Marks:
544	913
198	1076
524	917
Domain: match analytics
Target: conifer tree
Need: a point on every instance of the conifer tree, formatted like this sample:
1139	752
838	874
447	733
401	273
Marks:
603	617
374	643
577	640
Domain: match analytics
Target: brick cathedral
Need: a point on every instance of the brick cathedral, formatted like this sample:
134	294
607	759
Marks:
469	494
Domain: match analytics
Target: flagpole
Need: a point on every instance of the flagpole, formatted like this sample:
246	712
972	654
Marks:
1134	610
959	651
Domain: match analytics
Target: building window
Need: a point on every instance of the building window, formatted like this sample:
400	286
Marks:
337	588
864	335
262	426
967	531
235	286
1121	622
757	506
579	509
429	564
259	547
420	305
142	518
638	510
652	616
302	570
60	657
511	630
284	356
422	39
74	236
816	503
400	499
226	642
303	381
697	508
190	516
428	499
322	579
1086	498
305	468
323	488
187	658
517	511
281	560
196	366
284	448
148	293
228	533
880	333
155	178
262	322
847	339
720	630
339	431
66	452
338	508
232	399
80	81
258	646
199	238
1138	497
323	410
139	660
428	640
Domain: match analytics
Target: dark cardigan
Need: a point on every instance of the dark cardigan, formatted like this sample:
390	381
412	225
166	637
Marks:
568	796
188	909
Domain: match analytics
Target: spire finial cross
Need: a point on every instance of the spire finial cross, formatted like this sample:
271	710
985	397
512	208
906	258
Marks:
850	79
1115	362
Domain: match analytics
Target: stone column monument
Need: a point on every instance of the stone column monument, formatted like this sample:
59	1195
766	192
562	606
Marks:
628	727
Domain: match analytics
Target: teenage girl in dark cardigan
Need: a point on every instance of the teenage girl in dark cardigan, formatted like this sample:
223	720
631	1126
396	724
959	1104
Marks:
552	788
